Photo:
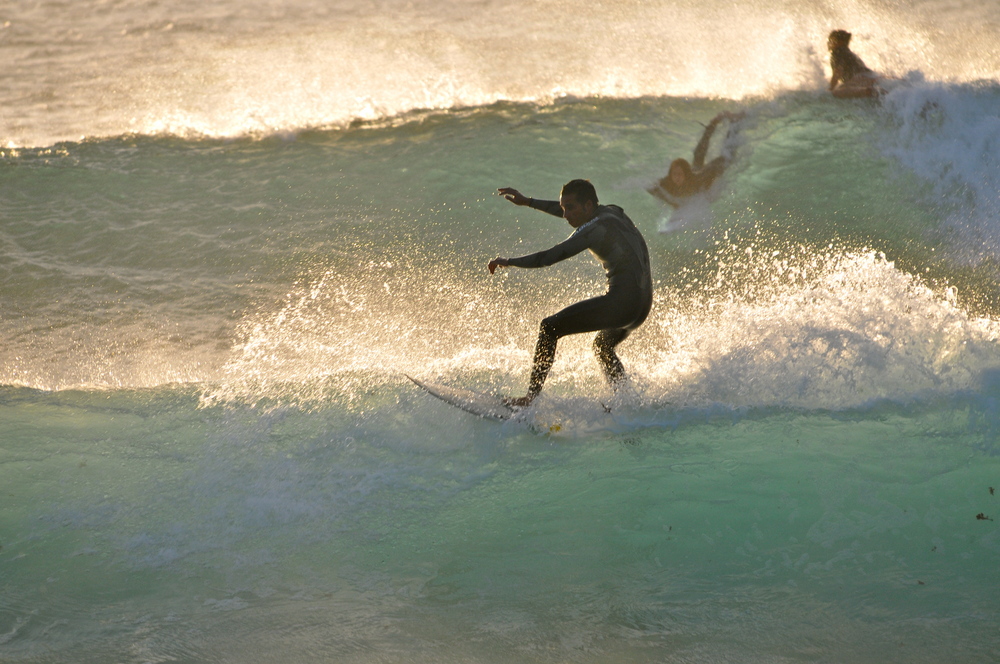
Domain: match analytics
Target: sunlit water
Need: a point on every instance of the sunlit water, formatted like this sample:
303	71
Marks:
229	232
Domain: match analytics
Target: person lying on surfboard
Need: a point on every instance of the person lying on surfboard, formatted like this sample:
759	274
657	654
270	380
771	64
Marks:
615	241
685	179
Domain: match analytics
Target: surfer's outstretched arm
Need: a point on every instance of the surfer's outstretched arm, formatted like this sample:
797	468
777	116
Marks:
514	196
497	262
571	246
517	198
660	192
702	148
550	207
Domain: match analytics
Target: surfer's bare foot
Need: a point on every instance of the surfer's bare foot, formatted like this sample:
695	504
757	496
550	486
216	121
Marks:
519	402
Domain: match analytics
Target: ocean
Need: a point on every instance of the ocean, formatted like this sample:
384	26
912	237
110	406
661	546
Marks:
229	230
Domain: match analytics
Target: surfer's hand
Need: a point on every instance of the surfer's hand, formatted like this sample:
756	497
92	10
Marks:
497	262
514	196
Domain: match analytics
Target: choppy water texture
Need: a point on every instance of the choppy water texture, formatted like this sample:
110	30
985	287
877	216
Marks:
228	233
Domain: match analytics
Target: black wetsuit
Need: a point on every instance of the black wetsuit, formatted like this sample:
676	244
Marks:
701	177
619	246
846	64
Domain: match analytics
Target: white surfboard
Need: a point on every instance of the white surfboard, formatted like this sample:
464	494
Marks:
486	406
694	214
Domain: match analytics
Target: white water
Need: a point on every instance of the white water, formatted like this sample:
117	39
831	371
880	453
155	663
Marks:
208	450
106	68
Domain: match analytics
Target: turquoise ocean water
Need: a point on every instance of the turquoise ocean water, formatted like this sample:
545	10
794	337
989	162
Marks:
229	230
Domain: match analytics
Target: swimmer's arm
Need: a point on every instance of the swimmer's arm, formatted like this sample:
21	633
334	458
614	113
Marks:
664	195
837	69
702	148
711	173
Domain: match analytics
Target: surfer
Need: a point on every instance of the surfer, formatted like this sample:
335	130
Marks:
851	78
685	179
615	241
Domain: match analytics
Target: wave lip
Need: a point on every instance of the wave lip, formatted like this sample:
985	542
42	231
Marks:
181	74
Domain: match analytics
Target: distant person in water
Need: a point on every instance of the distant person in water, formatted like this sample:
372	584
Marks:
851	78
685	179
615	241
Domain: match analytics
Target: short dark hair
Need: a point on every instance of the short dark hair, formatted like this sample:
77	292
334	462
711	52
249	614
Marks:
582	190
841	36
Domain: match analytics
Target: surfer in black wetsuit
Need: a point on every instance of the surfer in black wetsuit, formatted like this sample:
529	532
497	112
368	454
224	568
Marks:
851	78
615	241
686	179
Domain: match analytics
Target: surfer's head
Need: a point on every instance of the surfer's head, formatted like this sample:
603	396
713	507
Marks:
579	202
583	190
680	172
838	38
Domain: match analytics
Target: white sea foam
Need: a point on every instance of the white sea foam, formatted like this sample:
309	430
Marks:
827	331
802	469
257	68
949	136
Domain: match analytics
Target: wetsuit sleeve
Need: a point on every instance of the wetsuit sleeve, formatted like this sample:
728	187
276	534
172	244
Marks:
710	173
845	65
666	195
702	148
551	207
836	75
586	237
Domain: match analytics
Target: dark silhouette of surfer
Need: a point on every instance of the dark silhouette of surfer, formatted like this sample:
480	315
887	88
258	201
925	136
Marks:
684	179
615	241
850	78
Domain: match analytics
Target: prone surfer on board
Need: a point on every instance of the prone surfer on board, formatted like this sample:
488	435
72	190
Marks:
615	241
685	179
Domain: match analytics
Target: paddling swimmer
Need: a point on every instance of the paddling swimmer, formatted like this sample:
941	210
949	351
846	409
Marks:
615	241
851	78
685	179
